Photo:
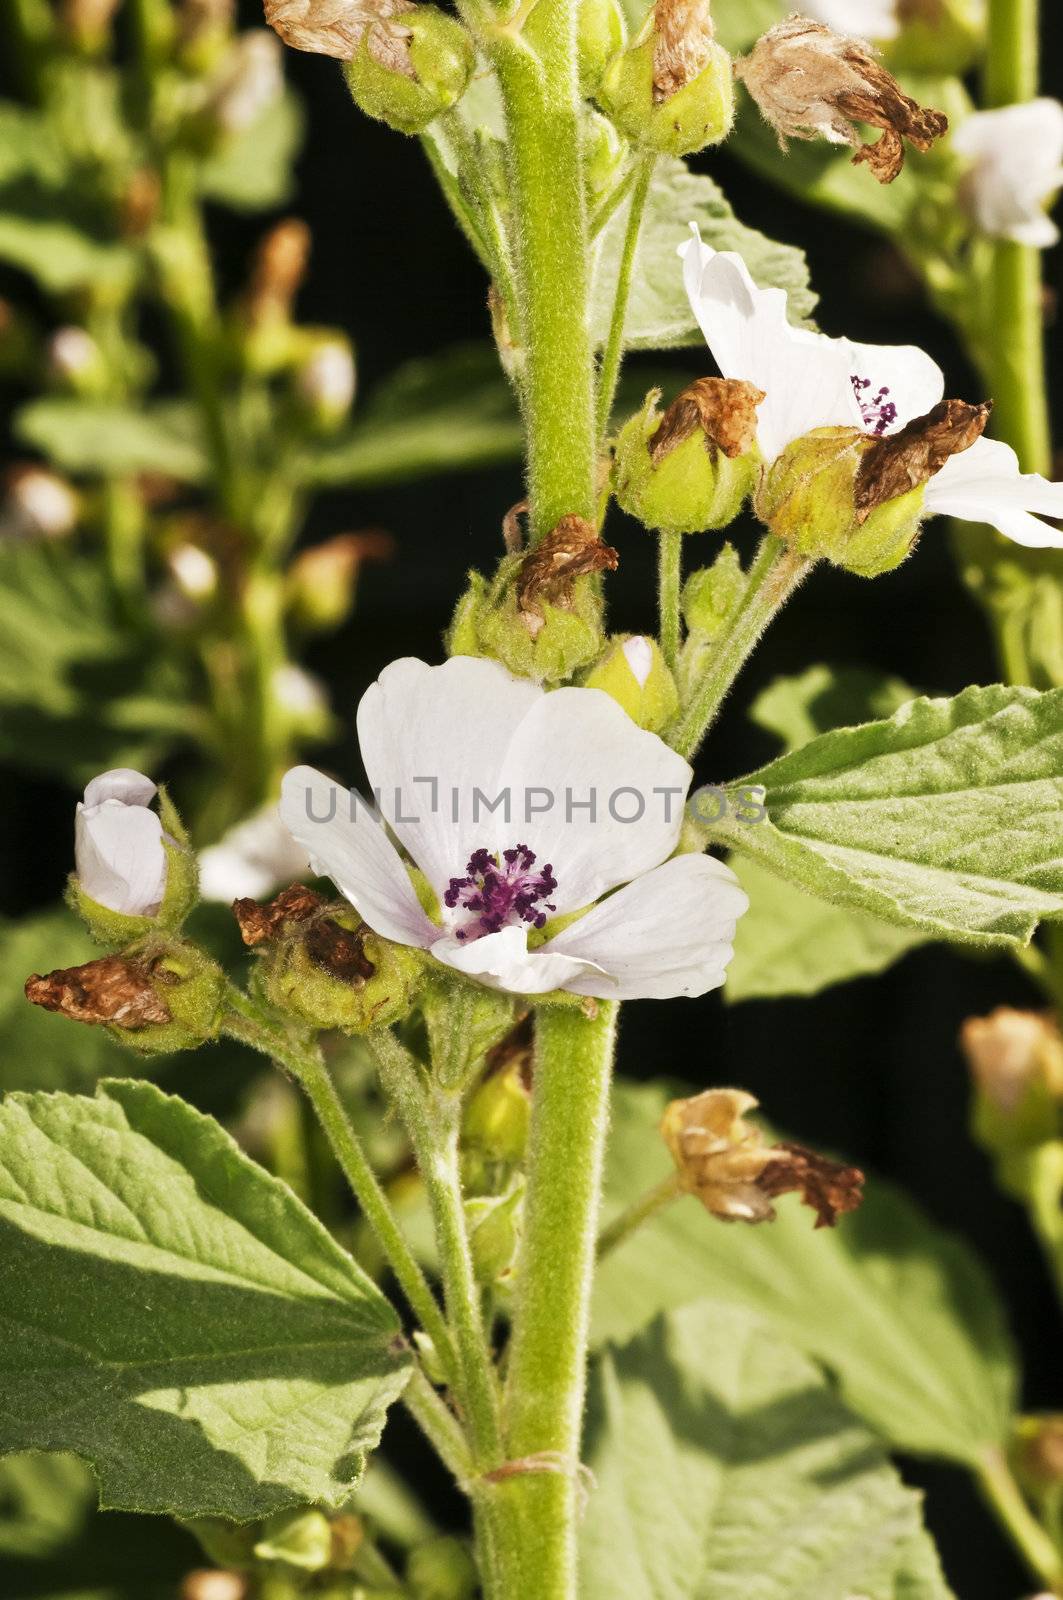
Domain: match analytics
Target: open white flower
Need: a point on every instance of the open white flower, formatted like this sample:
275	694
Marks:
118	849
253	859
813	381
519	807
867	19
1016	165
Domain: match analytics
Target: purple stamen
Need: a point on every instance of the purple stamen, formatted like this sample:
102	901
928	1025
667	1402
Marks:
878	412
501	892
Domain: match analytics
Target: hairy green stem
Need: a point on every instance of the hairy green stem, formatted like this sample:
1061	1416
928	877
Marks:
639	1211
431	1121
439	1425
537	74
613	354
546	1380
669	584
1006	1499
775	574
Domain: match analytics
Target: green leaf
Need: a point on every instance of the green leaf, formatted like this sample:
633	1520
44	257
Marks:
98	439
724	1466
659	313
28	145
45	1500
901	1312
227	1357
253	171
947	818
824	697
790	943
445	414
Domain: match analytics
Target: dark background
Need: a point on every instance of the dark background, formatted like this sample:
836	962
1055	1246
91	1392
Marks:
870	1069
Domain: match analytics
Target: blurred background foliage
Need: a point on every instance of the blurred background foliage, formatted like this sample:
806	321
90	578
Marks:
180	629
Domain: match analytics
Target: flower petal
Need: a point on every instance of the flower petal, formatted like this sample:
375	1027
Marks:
806	376
1015	155
346	842
668	934
577	746
446	726
503	961
119	856
913	380
253	859
121	783
984	484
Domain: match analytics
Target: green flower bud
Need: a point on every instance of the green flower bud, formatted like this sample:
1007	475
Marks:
672	90
1016	1064
692	468
600	32
540	616
442	1569
332	971
434	1369
940	37
635	674
497	1115
809	499
711	594
301	1539
494	1223
229	1544
603	156
407	72
464	1021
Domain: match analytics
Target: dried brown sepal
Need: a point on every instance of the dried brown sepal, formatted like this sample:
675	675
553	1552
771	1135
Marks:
725	409
259	922
811	83
278	270
829	1187
338	951
111	990
335	28
683	32
902	461
573	550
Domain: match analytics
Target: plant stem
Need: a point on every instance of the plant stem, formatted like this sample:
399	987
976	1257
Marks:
1014	353
1029	1537
669	583
775	574
639	1211
309	1070
537	74
438	1424
433	1130
545	1386
614	346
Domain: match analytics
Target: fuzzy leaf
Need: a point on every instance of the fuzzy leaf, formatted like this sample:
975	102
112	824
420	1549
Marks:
659	313
253	171
91	437
902	1313
947	818
227	1358
725	1467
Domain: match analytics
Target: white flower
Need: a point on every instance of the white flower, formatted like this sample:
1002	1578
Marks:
1016	165
813	381
512	803
867	19
118	849
251	860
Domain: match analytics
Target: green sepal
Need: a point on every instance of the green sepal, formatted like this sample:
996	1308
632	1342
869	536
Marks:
651	704
699	114
464	1021
443	58
694	487
228	1544
494	1129
945	38
292	981
494	1224
551	649
711	594
190	983
601	31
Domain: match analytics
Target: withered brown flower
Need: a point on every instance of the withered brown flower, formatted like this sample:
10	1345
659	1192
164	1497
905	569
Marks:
898	462
683	32
725	409
811	83
335	28
112	990
572	550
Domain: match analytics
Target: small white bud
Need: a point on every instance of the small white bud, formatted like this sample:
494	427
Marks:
37	505
1015	157
250	80
194	571
73	355
325	382
118	844
638	652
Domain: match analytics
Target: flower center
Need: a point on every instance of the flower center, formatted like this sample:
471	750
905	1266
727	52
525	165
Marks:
501	891
877	411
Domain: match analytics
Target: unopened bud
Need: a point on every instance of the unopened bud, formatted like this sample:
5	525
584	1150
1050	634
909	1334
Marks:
692	468
429	1356
810	83
938	37
494	1224
87	23
249	80
139	202
1038	1453
75	361
672	89
278	270
298	1539
325	966
726	1163
711	594
603	156
36	504
407	70
497	1115
443	1569
304	698
158	997
857	499
600	32
321	582
209	1584
1016	1063
635	675
538	617
325	380
133	869
194	572
329	27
